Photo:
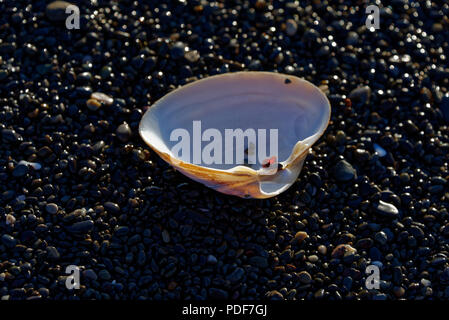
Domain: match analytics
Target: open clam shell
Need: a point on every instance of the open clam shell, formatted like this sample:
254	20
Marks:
297	109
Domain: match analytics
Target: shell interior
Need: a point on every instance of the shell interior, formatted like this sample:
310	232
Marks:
243	100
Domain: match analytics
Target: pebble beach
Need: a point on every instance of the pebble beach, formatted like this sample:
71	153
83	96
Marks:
79	187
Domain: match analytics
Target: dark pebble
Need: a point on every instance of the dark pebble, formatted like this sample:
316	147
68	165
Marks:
56	10
123	132
82	226
112	207
236	275
219	294
51	208
258	261
9	241
104	274
444	106
343	171
360	95
90	274
53	253
304	277
20	170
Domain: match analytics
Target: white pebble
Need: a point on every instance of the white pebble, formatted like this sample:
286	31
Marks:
34	165
102	97
425	282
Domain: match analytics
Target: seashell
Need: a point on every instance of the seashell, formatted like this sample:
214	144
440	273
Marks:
294	108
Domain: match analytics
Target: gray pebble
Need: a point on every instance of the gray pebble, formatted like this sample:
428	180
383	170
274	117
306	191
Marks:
104	274
123	132
53	253
90	274
304	277
344	171
258	261
20	170
51	208
211	259
236	275
291	27
82	226
216	293
9	241
360	95
381	237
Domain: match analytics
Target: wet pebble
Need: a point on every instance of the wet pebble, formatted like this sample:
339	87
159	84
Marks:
304	277
123	132
112	207
192	56
104	274
386	209
360	95
82	226
102	98
90	274
343	171
8	240
53	253
51	208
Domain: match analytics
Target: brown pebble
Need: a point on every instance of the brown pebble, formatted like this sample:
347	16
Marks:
300	236
304	277
322	249
33	114
398	291
341	250
279	269
261	5
198	8
93	104
172	285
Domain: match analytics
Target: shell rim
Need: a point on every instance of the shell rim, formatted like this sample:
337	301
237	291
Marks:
239	168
